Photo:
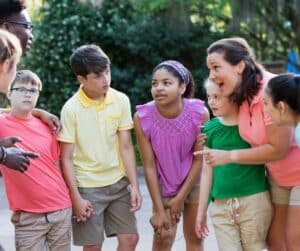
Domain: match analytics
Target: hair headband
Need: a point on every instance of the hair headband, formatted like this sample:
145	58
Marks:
179	68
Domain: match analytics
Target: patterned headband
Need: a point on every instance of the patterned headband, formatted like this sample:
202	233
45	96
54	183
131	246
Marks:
179	68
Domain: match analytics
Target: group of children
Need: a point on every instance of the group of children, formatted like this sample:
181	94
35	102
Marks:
90	166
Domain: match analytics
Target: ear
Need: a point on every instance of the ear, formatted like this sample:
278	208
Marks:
282	107
7	26
80	79
241	67
5	66
182	88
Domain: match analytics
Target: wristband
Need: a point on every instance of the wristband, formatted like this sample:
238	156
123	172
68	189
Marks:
4	155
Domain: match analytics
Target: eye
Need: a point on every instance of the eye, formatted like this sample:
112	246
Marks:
154	83
167	83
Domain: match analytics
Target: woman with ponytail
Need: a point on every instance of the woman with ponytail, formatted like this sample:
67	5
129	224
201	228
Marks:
233	67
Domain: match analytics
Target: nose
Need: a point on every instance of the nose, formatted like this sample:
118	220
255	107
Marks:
211	75
159	86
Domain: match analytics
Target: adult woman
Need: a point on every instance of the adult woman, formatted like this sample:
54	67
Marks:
233	67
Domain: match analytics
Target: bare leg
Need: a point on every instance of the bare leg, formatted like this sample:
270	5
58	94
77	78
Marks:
277	234
193	243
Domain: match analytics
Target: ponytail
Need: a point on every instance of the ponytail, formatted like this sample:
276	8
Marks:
190	87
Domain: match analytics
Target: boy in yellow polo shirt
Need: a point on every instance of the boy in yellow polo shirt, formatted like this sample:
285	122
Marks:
98	159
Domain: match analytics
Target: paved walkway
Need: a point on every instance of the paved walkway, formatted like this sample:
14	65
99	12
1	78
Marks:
143	215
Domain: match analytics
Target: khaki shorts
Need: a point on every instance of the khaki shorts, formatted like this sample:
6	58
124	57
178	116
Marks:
43	231
241	224
112	214
193	196
285	195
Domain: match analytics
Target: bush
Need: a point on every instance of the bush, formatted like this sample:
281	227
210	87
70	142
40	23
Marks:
135	42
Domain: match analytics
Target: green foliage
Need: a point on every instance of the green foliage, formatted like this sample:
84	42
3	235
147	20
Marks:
134	40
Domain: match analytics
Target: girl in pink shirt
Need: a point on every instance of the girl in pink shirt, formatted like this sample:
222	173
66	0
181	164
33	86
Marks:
166	131
233	67
282	102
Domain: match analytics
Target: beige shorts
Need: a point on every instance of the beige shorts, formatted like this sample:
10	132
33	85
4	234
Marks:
112	214
241	224
285	195
193	196
42	231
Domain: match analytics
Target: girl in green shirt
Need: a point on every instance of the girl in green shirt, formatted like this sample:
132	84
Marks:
241	211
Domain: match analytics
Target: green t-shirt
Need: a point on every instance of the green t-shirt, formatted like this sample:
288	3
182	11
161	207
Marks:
232	180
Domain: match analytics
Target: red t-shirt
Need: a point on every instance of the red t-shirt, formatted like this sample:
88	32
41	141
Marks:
41	188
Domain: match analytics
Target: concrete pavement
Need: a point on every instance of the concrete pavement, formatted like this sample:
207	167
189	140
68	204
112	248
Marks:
143	215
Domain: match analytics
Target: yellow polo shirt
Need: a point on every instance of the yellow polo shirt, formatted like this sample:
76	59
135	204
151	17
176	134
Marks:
93	126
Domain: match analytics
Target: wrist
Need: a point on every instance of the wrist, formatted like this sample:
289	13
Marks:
3	155
232	156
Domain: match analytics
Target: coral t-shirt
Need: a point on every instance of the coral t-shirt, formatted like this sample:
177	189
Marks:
41	188
252	126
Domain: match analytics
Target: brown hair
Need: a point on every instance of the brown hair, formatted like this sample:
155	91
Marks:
25	76
235	50
89	59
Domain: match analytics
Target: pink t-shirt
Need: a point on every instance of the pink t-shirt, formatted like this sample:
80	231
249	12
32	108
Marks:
172	141
252	126
41	188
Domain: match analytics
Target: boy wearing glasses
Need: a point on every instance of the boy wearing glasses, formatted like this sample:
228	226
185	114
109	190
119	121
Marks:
98	159
39	197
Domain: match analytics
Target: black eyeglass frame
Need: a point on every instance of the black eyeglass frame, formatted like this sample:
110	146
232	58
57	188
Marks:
28	26
24	90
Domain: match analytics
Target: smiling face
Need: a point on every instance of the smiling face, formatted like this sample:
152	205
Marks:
227	76
166	88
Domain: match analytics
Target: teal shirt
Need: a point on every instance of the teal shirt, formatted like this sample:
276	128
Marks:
232	180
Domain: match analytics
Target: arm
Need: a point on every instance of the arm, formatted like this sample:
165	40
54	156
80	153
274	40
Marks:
83	208
276	149
159	218
128	157
51	120
176	204
205	188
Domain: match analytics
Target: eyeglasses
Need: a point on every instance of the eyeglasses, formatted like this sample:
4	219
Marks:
24	90
28	26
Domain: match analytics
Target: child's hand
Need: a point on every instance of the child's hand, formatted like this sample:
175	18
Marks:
215	157
136	199
176	207
83	210
201	226
159	221
52	121
200	141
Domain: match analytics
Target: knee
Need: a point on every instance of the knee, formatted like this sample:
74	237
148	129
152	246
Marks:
166	240
192	239
130	241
